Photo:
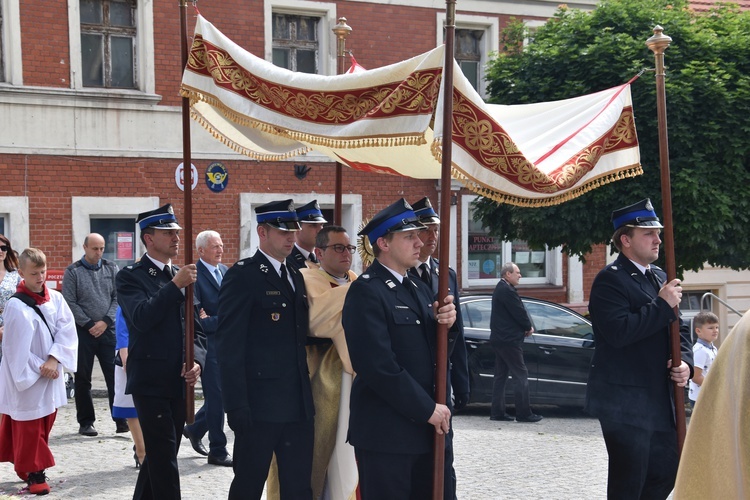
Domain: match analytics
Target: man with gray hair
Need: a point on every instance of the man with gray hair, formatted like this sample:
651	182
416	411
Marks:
509	325
210	418
89	289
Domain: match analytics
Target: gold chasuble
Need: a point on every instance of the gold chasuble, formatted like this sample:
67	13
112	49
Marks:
715	461
334	474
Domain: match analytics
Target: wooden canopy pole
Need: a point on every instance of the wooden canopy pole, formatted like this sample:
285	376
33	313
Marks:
658	43
341	30
441	361
187	234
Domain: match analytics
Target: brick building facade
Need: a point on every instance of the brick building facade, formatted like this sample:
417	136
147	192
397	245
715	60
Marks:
78	156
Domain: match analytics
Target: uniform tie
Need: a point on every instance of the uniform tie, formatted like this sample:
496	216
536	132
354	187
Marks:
652	279
169	272
285	279
425	274
312	257
217	275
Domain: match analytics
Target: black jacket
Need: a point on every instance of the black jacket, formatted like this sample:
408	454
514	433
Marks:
261	343
509	320
629	380
154	308
391	340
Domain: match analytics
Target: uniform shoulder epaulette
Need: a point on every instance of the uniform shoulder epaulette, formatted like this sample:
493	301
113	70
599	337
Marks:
245	261
365	277
613	267
133	266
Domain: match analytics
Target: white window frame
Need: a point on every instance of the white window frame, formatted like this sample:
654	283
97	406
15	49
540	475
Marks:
351	217
326	39
15	211
11	32
531	23
144	49
490	40
553	259
84	208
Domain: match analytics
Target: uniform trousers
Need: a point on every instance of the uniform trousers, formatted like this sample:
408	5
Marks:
89	347
293	445
399	476
509	359
642	463
25	443
162	421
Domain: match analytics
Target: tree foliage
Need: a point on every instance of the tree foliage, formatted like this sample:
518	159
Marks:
708	115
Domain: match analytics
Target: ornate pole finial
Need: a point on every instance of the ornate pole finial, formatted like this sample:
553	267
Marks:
341	30
659	42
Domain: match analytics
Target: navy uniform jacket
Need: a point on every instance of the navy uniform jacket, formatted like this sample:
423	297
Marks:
459	366
154	308
509	320
261	343
391	340
629	381
207	295
296	259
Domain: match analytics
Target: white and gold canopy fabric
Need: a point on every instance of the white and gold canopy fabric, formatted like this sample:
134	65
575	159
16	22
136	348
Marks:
384	121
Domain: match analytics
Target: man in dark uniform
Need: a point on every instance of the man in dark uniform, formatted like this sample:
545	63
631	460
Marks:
150	293
263	326
390	326
458	367
630	385
311	222
509	326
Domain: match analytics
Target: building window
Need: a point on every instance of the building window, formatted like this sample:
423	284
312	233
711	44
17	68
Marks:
295	42
114	219
475	38
468	45
14	221
119	239
108	34
484	255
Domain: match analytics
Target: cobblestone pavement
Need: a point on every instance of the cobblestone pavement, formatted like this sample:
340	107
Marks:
561	457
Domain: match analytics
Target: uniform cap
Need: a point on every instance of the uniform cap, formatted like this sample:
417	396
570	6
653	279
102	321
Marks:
424	212
640	214
279	214
161	218
395	218
311	213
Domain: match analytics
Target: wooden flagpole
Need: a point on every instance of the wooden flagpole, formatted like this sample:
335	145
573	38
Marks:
441	361
187	234
658	43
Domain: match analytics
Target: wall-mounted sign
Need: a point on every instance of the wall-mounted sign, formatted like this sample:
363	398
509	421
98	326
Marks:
125	246
217	177
178	175
54	278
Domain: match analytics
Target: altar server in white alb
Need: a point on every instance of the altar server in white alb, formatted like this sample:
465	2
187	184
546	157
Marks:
39	341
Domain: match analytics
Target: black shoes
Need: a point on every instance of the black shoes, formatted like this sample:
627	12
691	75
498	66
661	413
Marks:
226	461
196	443
121	426
530	419
87	430
504	418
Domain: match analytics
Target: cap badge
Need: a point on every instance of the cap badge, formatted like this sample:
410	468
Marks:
291	207
649	206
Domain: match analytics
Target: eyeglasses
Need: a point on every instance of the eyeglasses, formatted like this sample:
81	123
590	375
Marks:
339	248
4	248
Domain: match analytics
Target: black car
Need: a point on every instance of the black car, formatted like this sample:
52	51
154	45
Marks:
557	355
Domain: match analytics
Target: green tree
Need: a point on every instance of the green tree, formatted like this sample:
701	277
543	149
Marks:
708	115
